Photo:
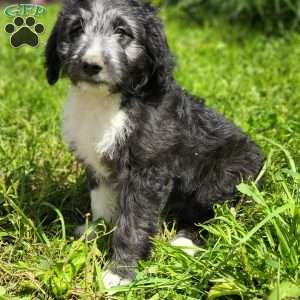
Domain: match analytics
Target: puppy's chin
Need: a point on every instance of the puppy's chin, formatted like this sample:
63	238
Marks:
92	81
100	88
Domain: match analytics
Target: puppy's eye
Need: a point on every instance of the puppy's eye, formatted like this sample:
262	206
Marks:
123	32
75	31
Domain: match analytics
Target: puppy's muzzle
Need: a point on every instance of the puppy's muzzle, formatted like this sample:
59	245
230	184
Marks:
91	69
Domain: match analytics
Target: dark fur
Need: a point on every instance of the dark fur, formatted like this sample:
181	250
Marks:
182	156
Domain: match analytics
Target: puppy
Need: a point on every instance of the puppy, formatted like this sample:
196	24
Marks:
148	146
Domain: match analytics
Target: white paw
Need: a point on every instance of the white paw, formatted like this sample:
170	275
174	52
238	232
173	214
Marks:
111	279
82	229
185	244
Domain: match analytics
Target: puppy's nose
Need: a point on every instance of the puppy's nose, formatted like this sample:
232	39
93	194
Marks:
91	69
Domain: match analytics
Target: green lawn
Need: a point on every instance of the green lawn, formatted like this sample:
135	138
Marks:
250	252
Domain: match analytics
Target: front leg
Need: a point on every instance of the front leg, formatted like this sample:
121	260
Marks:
143	197
104	198
104	202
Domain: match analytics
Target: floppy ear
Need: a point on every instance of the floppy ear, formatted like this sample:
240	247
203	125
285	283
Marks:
157	47
53	63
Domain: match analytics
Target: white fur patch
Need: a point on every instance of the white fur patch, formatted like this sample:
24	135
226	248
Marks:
119	130
133	51
94	124
93	54
104	203
185	244
111	279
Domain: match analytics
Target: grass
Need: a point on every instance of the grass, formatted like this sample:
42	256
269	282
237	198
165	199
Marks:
248	252
271	15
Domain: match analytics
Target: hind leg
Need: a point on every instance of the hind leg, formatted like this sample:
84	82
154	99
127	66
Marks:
186	240
236	161
215	181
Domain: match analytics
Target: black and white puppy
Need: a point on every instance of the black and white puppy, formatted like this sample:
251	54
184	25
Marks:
148	146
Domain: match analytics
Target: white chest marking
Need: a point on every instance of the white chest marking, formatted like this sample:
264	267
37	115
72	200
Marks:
94	125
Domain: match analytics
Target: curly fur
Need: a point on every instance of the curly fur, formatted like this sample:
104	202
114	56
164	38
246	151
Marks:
167	151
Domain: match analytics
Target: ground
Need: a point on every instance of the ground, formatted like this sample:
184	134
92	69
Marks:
251	251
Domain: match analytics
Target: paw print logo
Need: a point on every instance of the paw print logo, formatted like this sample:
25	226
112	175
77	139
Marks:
24	32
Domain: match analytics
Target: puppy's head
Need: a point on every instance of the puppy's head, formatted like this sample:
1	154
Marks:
119	43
